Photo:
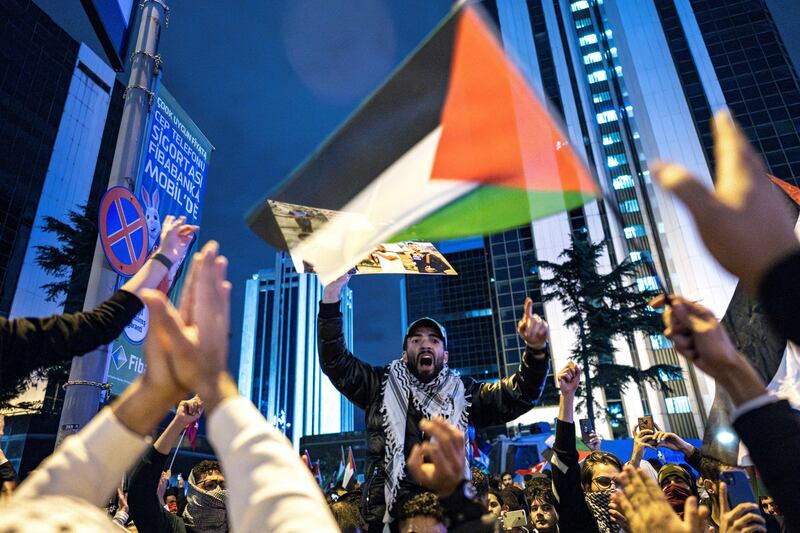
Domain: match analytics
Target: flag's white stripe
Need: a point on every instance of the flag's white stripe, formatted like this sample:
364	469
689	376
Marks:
402	195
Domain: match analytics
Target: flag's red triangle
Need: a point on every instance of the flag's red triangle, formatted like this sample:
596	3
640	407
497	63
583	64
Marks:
790	190
494	129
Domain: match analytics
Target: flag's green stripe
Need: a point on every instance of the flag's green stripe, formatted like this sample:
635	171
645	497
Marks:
490	210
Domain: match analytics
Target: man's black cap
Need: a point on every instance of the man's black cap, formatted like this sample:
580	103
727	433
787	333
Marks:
429	322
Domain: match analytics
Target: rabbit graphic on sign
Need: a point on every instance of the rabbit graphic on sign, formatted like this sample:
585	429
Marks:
152	217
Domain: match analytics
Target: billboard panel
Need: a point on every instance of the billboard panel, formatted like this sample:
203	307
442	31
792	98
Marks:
172	181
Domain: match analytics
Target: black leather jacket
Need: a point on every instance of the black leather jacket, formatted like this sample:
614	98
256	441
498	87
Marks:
492	403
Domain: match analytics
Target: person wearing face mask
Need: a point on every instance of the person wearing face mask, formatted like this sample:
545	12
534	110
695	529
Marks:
677	485
583	491
420	385
204	510
175	500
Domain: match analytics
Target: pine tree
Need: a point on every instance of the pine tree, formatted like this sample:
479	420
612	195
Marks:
600	308
69	262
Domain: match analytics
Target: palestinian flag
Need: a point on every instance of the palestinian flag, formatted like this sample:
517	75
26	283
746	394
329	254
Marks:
455	143
342	467
349	479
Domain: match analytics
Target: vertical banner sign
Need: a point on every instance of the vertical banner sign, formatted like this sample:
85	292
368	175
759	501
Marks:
172	181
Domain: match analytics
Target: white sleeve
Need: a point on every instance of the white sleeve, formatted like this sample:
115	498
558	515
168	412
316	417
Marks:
88	465
647	467
269	488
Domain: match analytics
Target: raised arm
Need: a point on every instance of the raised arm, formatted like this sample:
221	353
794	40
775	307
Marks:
573	513
90	464
30	343
508	398
269	487
357	380
768	427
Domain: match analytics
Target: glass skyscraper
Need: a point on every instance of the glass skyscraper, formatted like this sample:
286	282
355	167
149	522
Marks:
61	107
636	81
279	363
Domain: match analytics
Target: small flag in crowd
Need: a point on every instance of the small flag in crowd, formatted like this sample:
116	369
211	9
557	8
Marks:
478	457
191	433
342	468
454	144
349	479
317	473
306	457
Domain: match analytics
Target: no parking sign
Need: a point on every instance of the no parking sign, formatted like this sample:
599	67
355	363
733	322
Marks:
123	233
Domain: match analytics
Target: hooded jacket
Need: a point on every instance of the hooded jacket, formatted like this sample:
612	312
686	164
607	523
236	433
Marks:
491	404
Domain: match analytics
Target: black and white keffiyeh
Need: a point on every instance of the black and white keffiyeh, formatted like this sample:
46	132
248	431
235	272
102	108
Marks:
205	510
444	396
598	503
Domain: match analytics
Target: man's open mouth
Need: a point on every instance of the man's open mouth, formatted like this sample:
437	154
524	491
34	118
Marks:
425	362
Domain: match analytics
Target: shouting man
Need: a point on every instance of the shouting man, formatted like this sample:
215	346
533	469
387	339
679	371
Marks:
419	385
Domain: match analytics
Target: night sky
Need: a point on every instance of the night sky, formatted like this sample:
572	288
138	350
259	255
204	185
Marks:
267	81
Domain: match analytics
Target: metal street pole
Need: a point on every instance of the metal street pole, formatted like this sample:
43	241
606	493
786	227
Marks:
87	377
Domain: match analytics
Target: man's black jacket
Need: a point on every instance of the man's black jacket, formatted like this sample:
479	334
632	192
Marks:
28	344
362	384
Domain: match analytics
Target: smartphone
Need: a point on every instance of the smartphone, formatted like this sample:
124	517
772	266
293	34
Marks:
586	429
515	519
646	422
739	489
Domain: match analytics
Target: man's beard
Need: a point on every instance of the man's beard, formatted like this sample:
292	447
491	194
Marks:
413	366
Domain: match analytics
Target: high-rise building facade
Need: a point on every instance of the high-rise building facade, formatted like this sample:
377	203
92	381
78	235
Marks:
61	106
636	81
279	364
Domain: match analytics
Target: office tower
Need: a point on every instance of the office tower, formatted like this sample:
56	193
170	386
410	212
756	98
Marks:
279	364
61	107
636	81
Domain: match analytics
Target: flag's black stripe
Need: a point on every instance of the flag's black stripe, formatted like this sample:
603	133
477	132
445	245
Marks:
405	109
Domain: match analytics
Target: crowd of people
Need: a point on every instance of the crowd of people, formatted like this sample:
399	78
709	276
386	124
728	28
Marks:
417	409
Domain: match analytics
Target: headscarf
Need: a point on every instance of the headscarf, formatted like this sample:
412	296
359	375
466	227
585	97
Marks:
205	510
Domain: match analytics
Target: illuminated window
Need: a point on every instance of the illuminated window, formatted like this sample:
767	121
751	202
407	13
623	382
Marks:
606	116
660	342
618	69
632	232
581	4
678	404
598	75
582	23
611	138
588	39
622	182
616	160
647	283
601	97
609	34
629	206
594	57
613	51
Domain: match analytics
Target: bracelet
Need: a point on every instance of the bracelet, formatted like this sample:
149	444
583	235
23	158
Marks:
163	259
